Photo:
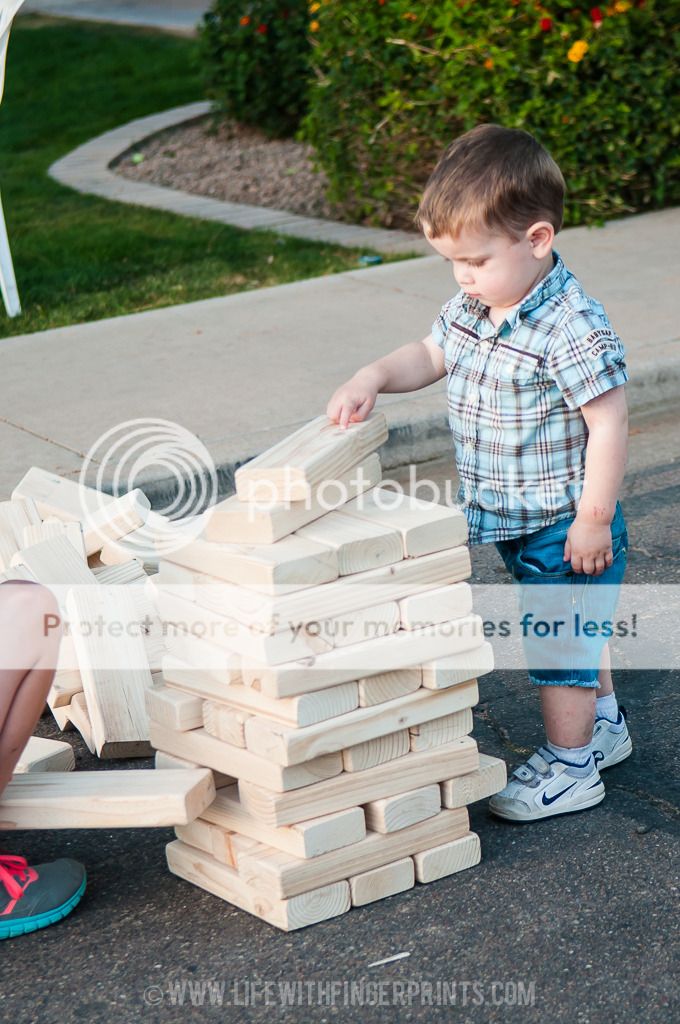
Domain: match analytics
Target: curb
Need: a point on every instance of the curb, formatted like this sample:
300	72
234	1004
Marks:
88	169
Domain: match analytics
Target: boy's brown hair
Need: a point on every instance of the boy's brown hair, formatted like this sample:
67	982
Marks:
492	178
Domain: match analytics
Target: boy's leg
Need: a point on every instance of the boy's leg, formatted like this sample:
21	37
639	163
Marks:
568	714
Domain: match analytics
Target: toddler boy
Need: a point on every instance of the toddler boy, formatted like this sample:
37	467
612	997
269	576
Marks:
538	415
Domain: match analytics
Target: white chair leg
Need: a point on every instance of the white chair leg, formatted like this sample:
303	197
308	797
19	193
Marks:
8	284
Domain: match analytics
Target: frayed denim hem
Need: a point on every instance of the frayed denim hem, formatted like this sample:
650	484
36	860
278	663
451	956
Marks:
586	684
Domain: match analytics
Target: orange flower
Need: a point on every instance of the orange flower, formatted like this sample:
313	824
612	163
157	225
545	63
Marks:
245	20
314	26
621	6
488	63
577	51
313	8
410	16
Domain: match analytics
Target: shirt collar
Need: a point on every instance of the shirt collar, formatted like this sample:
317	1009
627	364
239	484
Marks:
550	285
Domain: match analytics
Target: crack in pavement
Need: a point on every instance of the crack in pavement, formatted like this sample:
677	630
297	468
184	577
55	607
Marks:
43	437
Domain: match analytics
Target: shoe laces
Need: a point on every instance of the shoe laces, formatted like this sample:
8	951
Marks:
11	865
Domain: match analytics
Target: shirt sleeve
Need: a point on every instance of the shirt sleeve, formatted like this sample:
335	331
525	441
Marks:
440	328
587	359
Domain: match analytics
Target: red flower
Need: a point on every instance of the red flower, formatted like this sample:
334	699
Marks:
596	15
261	30
546	24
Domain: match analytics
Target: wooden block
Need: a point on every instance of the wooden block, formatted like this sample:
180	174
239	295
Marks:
318	451
124	573
8	549
424	526
443	730
203	656
388	685
57	496
163	762
239	522
307	709
115	519
55	561
38	532
285	876
489	778
173	709
209	838
43	755
79	716
225	723
290	565
396	812
381	882
285	745
114	668
351	789
15	516
199	746
438	605
132	799
451	671
65	685
359	544
219	879
354	627
448	858
383	748
304	839
62	716
398	650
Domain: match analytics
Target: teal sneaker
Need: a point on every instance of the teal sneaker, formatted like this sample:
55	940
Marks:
35	897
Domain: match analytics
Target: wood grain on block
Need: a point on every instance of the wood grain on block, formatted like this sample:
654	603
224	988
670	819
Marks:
239	522
307	709
121	799
285	876
388	685
318	451
287	745
114	667
372	752
199	746
62	716
443	730
219	879
358	543
15	516
163	762
381	882
56	561
66	683
209	838
424	526
438	605
8	549
308	838
448	858
225	723
79	717
395	812
38	532
398	650
489	778
354	627
290	565
115	519
43	755
57	496
203	656
352	789
450	671
173	709
123	573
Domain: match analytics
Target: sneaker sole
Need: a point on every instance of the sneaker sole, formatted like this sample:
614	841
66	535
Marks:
620	754
24	925
518	816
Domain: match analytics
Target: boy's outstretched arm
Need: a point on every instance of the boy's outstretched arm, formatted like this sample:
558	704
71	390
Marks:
589	541
408	368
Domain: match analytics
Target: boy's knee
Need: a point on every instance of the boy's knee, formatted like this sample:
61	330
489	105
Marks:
32	603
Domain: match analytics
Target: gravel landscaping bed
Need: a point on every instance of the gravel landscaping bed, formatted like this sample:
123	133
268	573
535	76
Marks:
232	162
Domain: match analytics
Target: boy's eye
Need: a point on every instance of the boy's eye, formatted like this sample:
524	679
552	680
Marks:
480	264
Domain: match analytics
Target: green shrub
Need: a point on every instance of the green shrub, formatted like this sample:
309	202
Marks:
255	55
397	80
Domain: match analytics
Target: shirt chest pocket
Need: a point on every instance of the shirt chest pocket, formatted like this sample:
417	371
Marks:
514	367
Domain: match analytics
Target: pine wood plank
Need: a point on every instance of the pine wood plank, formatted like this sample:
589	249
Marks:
56	562
225	723
122	574
209	838
204	871
448	858
359	544
201	655
318	451
44	755
388	685
163	761
38	532
199	746
173	709
350	789
396	812
438	605
15	516
365	755
379	883
114	520
79	717
239	522
450	671
443	730
132	799
58	496
424	526
489	778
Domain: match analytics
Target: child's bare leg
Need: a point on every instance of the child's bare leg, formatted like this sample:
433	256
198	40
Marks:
28	655
568	714
604	677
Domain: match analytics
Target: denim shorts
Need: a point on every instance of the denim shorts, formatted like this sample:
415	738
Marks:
566	617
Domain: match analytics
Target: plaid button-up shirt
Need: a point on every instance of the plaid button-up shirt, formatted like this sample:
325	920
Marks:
514	397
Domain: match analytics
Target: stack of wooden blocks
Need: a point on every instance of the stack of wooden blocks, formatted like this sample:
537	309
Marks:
323	660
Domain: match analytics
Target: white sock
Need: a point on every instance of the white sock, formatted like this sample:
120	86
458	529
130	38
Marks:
607	707
575	755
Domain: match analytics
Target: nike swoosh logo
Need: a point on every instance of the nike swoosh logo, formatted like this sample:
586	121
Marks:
547	800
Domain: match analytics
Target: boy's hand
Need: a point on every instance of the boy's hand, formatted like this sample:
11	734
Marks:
589	547
352	402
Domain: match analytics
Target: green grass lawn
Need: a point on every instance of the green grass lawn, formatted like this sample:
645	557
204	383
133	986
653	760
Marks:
81	258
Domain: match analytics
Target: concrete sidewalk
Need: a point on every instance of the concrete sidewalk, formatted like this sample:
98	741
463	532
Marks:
169	15
243	371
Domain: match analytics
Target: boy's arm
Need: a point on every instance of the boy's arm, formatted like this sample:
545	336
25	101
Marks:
408	368
589	541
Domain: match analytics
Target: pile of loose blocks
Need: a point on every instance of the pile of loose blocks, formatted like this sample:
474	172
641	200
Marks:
322	658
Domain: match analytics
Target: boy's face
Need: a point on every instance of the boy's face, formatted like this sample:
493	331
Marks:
494	268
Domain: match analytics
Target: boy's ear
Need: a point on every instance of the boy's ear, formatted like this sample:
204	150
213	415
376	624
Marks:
540	236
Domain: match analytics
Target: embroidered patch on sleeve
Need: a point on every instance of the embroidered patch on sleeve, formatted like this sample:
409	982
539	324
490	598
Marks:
601	340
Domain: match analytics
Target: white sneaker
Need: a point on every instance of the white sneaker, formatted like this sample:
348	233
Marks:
611	741
546	786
